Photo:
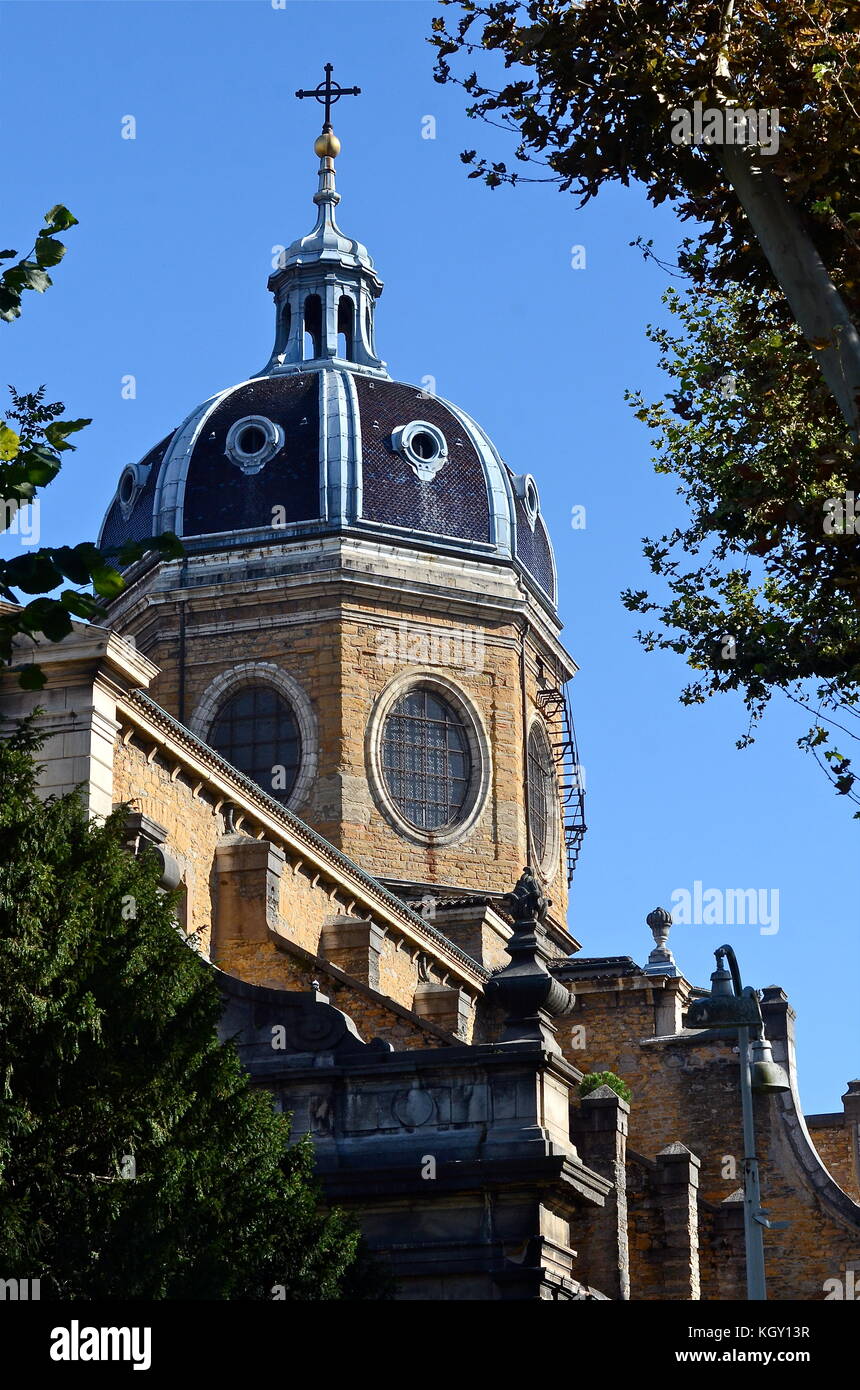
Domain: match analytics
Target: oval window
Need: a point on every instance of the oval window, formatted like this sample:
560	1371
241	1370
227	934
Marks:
543	794
426	761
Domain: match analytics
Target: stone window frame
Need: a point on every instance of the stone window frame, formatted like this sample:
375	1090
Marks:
136	475
253	463
480	752
401	442
247	673
548	865
527	490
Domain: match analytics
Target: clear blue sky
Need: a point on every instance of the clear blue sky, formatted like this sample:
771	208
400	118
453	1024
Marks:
165	279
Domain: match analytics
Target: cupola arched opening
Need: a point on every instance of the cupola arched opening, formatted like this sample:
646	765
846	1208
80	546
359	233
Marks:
345	328
313	327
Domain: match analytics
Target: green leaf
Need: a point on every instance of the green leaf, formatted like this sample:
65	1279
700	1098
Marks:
33	574
9	442
58	218
56	623
82	605
56	432
75	564
170	546
48	251
46	615
107	582
10	304
39	465
27	275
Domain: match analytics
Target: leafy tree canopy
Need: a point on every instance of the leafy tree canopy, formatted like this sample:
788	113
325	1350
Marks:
763	580
593	84
136	1161
32	439
760	594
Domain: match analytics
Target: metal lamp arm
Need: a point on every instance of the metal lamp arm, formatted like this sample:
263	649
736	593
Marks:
739	989
733	966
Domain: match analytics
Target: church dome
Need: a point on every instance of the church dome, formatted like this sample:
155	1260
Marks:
323	439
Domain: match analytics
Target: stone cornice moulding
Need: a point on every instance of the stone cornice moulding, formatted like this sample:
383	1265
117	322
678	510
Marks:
338	613
93	654
317	584
341	548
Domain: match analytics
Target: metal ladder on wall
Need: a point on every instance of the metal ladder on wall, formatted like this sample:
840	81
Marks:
555	707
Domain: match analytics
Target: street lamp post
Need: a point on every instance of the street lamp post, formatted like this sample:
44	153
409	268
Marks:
730	1005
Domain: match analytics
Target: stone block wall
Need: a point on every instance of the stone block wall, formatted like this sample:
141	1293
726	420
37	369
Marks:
343	642
837	1139
194	826
686	1092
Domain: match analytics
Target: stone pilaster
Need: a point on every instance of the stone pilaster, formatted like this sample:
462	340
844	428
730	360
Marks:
248	888
85	675
678	1187
599	1126
354	945
446	1005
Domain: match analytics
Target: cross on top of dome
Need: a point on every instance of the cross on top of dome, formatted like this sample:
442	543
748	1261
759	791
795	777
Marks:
328	92
325	285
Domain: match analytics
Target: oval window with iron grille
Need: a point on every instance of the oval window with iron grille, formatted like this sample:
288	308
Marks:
543	796
426	762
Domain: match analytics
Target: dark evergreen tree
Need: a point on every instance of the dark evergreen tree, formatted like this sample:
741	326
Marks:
136	1161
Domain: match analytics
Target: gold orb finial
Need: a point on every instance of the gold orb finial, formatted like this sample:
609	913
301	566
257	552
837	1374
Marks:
327	145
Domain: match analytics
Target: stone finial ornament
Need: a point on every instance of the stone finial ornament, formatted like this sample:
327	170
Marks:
660	961
527	901
530	996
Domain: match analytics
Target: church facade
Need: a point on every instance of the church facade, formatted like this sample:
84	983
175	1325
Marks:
340	719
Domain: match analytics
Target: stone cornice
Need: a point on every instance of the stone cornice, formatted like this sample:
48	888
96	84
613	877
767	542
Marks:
90	652
359	562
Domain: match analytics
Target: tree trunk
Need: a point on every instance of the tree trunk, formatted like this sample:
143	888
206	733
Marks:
815	302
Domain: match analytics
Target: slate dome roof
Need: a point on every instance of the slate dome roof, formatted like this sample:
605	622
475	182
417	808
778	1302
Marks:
324	439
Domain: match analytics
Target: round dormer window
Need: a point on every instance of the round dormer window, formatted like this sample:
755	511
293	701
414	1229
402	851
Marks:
423	446
526	489
131	482
252	441
531	499
127	487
